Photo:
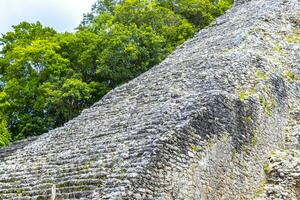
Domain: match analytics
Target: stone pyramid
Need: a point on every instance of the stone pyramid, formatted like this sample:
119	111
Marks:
200	125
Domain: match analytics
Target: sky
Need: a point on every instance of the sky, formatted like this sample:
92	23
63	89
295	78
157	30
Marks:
62	15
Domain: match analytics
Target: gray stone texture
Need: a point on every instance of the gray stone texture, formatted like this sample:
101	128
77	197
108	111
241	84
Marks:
200	125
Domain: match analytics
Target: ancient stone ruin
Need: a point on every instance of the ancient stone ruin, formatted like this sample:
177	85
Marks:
218	119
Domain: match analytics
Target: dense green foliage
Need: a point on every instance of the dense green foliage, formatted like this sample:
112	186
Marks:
47	78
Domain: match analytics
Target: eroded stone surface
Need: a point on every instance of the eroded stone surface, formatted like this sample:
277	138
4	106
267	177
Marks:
201	125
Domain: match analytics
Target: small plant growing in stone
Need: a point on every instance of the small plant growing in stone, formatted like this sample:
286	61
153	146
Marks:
266	168
244	95
295	38
260	75
290	76
267	105
195	148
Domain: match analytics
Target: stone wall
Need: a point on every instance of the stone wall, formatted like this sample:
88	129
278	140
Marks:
201	125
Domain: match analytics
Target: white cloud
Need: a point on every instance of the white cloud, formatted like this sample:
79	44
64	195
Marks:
63	15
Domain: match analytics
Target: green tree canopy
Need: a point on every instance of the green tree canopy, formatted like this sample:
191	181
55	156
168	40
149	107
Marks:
38	81
198	12
135	36
47	78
